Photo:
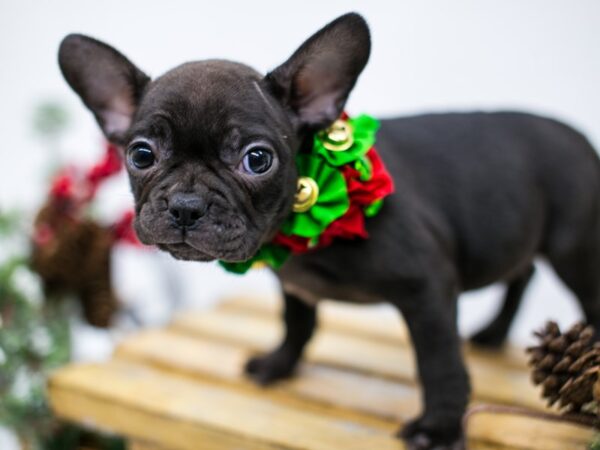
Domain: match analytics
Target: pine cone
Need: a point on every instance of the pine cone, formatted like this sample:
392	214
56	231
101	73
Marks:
566	365
75	258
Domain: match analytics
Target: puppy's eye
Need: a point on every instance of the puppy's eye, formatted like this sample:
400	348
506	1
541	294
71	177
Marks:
141	156
257	160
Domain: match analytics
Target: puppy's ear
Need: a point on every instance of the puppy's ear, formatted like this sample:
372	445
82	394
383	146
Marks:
316	80
107	82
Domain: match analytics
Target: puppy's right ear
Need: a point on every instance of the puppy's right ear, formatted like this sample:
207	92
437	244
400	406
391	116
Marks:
107	82
314	83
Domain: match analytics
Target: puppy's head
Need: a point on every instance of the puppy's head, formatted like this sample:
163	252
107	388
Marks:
210	145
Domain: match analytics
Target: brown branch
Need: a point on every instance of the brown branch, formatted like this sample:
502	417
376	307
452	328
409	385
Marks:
577	419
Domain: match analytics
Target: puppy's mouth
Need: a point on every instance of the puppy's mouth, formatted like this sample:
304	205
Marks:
197	247
206	244
186	252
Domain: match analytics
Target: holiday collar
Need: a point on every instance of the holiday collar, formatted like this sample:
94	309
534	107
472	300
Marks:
341	182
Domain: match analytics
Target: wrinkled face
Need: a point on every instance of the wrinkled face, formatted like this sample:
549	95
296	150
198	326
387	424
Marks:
210	145
210	159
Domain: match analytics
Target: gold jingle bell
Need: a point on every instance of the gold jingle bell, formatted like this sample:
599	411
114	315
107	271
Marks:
307	192
338	137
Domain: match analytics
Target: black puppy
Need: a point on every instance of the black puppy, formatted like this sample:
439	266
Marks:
210	150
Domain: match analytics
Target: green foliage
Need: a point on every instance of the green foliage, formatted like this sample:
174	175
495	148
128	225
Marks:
8	222
34	340
50	119
35	334
73	437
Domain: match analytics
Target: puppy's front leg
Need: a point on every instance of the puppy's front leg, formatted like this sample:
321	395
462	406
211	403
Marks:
431	319
300	321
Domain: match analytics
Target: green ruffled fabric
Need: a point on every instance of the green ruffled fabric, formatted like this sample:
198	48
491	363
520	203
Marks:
364	134
373	209
272	255
364	168
332	203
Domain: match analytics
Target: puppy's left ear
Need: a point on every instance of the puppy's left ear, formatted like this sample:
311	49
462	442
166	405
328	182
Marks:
109	84
314	83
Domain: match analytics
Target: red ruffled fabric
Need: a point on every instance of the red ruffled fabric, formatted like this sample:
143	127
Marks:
350	226
380	184
361	193
296	244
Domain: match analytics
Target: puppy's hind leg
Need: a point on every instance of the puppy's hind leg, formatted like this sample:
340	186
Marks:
300	322
495	333
580	271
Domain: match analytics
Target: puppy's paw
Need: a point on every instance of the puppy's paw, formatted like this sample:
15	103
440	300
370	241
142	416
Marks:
421	435
272	367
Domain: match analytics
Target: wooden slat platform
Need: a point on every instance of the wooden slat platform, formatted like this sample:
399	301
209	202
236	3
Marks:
182	387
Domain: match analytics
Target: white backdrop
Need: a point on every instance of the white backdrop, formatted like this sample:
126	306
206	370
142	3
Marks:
541	55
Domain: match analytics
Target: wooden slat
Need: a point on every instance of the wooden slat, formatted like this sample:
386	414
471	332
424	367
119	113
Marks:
176	412
255	332
369	321
182	413
519	431
143	445
349	393
261	334
182	388
379	322
199	359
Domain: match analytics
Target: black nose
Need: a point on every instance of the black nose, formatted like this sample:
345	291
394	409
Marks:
186	209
